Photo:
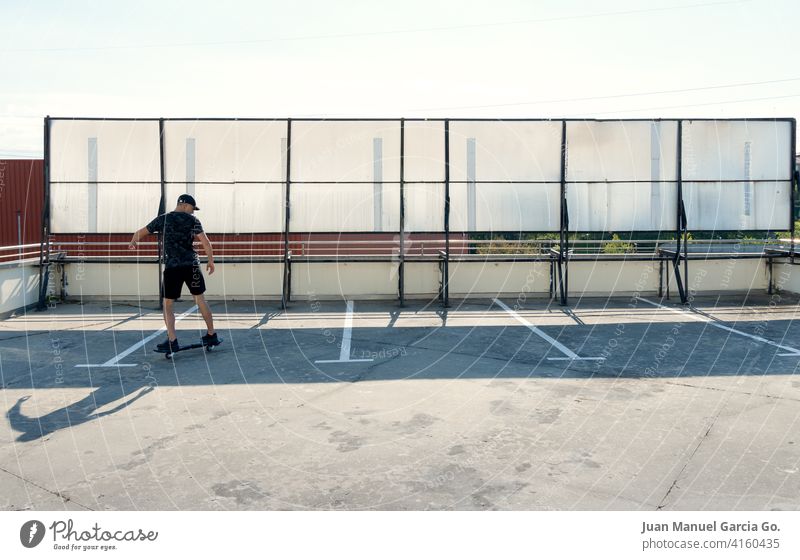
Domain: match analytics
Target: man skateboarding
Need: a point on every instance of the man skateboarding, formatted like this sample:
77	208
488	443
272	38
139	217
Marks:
181	265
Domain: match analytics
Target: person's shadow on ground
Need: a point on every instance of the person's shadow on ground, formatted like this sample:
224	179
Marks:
84	410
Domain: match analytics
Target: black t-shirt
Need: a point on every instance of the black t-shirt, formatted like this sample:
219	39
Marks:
179	229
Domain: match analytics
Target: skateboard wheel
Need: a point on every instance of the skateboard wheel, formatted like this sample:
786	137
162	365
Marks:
168	356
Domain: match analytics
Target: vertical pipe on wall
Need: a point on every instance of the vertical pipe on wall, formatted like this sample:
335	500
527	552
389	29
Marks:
286	293
680	220
685	255
446	270
748	199
377	184
401	265
93	177
655	173
563	247
471	174
792	186
162	205
685	222
19	234
44	248
191	165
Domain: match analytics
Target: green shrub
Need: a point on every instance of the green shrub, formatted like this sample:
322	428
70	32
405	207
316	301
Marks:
616	245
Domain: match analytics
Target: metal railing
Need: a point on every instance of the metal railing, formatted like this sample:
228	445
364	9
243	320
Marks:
15	254
432	248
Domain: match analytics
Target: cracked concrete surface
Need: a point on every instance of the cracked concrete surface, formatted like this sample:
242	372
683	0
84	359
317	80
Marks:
459	409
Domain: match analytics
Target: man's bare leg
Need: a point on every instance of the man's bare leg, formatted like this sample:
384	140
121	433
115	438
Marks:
169	318
205	311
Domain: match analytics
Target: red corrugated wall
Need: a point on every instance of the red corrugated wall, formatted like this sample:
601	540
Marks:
21	193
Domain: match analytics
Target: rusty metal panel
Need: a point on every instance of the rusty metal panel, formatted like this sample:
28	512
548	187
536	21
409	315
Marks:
21	194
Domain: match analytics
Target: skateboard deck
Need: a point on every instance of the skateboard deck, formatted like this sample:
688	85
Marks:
208	347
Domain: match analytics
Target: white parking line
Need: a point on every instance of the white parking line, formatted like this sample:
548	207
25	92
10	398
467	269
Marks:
570	355
113	362
713	323
344	354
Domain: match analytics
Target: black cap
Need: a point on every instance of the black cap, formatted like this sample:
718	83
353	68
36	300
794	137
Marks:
187	199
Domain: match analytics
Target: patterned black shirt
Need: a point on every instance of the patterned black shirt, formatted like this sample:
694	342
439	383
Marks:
179	229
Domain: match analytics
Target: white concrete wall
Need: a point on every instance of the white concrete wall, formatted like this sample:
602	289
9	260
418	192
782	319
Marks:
380	280
612	278
786	277
719	276
345	280
19	287
245	281
125	281
491	279
421	280
140	281
709	277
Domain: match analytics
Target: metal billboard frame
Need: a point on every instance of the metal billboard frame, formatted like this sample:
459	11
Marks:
559	259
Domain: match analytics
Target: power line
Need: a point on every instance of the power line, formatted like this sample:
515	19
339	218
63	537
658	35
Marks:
562	100
409	112
578	115
376	33
615	96
692	105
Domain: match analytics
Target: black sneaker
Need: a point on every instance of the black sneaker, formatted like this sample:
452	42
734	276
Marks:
168	346
210	339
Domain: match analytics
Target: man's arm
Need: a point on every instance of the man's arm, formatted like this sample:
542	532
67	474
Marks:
137	236
203	239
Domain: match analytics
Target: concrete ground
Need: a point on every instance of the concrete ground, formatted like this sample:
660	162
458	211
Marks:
476	407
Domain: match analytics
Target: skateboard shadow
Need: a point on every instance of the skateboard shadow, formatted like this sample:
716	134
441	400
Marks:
79	412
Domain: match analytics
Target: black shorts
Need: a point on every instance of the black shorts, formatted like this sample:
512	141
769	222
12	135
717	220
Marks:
176	277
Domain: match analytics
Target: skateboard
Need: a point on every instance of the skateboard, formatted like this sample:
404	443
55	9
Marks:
168	354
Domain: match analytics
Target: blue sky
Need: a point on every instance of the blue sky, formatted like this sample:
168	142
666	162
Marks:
621	58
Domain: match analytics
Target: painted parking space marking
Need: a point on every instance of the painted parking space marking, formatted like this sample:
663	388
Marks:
114	362
714	323
344	353
568	354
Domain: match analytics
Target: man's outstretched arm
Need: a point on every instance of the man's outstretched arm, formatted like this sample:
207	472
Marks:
137	236
203	239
